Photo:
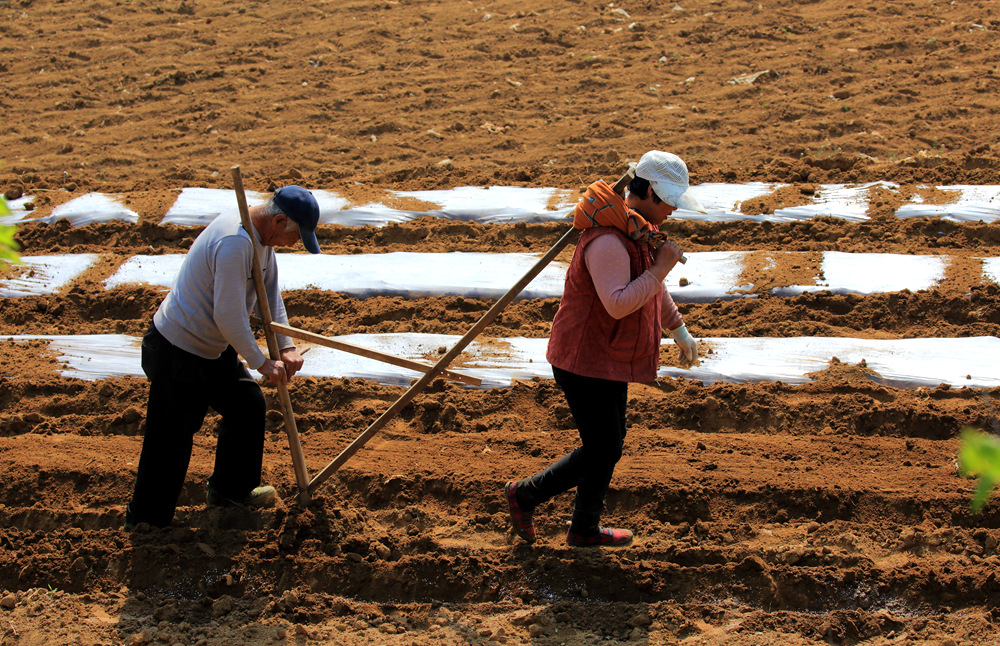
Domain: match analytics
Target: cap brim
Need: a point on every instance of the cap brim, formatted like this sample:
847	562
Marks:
667	191
309	241
689	202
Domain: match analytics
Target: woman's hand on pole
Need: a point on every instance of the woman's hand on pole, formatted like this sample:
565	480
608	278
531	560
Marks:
665	258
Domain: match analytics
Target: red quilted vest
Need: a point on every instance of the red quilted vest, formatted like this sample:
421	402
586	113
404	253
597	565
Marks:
587	341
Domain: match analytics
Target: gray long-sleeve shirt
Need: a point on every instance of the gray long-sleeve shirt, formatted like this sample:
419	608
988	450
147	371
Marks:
208	307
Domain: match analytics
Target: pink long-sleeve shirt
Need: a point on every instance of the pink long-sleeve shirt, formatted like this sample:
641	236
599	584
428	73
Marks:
608	263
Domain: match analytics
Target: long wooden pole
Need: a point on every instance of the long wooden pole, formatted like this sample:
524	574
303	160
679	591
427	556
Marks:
294	444
449	356
343	346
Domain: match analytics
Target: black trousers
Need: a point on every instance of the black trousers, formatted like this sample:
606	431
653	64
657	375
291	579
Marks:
182	386
598	407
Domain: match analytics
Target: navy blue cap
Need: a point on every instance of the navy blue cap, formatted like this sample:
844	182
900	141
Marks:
300	206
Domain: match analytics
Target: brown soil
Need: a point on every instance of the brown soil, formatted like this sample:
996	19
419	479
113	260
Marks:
765	513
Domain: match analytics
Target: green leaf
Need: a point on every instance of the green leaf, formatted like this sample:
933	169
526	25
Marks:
8	247
979	457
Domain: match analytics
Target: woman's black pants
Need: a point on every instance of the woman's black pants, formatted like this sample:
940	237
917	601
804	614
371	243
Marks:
598	408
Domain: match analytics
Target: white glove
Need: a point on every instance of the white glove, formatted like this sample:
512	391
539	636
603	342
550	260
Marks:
686	344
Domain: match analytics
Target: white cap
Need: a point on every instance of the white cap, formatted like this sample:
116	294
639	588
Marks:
667	174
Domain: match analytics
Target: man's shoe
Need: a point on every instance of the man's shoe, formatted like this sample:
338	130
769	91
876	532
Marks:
131	522
259	498
524	525
606	536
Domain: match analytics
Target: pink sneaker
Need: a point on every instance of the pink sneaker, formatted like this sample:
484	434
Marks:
604	536
523	524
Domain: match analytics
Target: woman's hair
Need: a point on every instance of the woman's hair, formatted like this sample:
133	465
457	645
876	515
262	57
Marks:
640	187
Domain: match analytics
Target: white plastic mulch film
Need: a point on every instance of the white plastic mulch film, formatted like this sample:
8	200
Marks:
199	206
37	275
707	276
475	275
903	363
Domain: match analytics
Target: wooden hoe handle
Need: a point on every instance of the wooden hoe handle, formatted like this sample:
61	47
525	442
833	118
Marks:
443	362
294	444
343	346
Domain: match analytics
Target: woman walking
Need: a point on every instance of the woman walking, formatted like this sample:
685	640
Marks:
605	334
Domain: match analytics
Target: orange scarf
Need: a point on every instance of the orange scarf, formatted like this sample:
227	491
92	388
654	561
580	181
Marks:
602	207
